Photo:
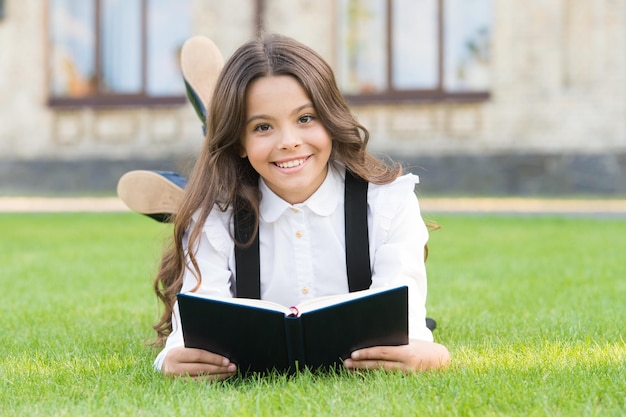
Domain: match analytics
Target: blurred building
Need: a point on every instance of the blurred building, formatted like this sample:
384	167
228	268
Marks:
475	96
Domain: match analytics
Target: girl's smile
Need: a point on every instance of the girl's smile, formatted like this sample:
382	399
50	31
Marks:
283	138
293	163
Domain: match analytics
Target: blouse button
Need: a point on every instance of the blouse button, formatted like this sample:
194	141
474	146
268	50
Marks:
305	290
294	210
298	234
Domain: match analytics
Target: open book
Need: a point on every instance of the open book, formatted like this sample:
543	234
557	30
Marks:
260	336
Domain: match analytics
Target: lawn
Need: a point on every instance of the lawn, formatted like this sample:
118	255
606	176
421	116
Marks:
531	308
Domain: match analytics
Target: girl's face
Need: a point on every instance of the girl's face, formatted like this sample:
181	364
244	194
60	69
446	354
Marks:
283	138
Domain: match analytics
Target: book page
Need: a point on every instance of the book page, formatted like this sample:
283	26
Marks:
329	300
304	307
250	302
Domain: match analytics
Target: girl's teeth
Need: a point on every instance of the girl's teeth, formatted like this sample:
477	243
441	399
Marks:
290	164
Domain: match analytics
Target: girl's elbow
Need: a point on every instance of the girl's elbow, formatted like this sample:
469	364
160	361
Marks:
438	358
442	357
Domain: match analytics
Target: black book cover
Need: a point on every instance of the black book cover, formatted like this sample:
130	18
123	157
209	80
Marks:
259	338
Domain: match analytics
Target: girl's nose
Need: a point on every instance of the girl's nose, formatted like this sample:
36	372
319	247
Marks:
289	139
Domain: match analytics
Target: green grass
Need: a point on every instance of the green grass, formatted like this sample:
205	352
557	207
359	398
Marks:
531	308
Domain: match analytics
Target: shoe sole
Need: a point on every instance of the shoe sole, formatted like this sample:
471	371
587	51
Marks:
201	63
147	192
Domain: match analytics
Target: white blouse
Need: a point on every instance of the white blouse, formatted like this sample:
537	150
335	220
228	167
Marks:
302	249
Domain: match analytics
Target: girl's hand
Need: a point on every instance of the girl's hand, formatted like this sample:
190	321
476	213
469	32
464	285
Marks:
418	355
197	363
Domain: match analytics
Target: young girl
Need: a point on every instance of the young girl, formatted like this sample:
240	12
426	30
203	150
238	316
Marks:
280	138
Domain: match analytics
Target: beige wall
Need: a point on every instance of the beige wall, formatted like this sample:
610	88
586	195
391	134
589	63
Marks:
559	84
559	76
24	119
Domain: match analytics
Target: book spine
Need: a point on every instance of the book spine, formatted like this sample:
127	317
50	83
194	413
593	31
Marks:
295	343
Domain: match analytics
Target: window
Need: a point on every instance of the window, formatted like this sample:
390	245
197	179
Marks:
394	49
116	52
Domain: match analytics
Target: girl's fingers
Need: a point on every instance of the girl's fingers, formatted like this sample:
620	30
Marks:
200	369
197	363
204	372
387	358
191	355
375	364
418	355
381	353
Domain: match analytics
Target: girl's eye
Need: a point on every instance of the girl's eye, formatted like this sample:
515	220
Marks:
263	127
305	119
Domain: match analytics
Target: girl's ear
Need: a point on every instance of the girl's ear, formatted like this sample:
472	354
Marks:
242	151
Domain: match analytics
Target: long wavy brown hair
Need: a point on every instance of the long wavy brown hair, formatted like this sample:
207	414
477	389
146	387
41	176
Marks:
221	178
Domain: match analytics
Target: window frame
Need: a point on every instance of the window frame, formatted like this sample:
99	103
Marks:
102	99
436	94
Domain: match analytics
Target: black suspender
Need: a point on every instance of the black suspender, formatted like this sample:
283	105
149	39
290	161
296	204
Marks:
357	244
247	260
357	238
